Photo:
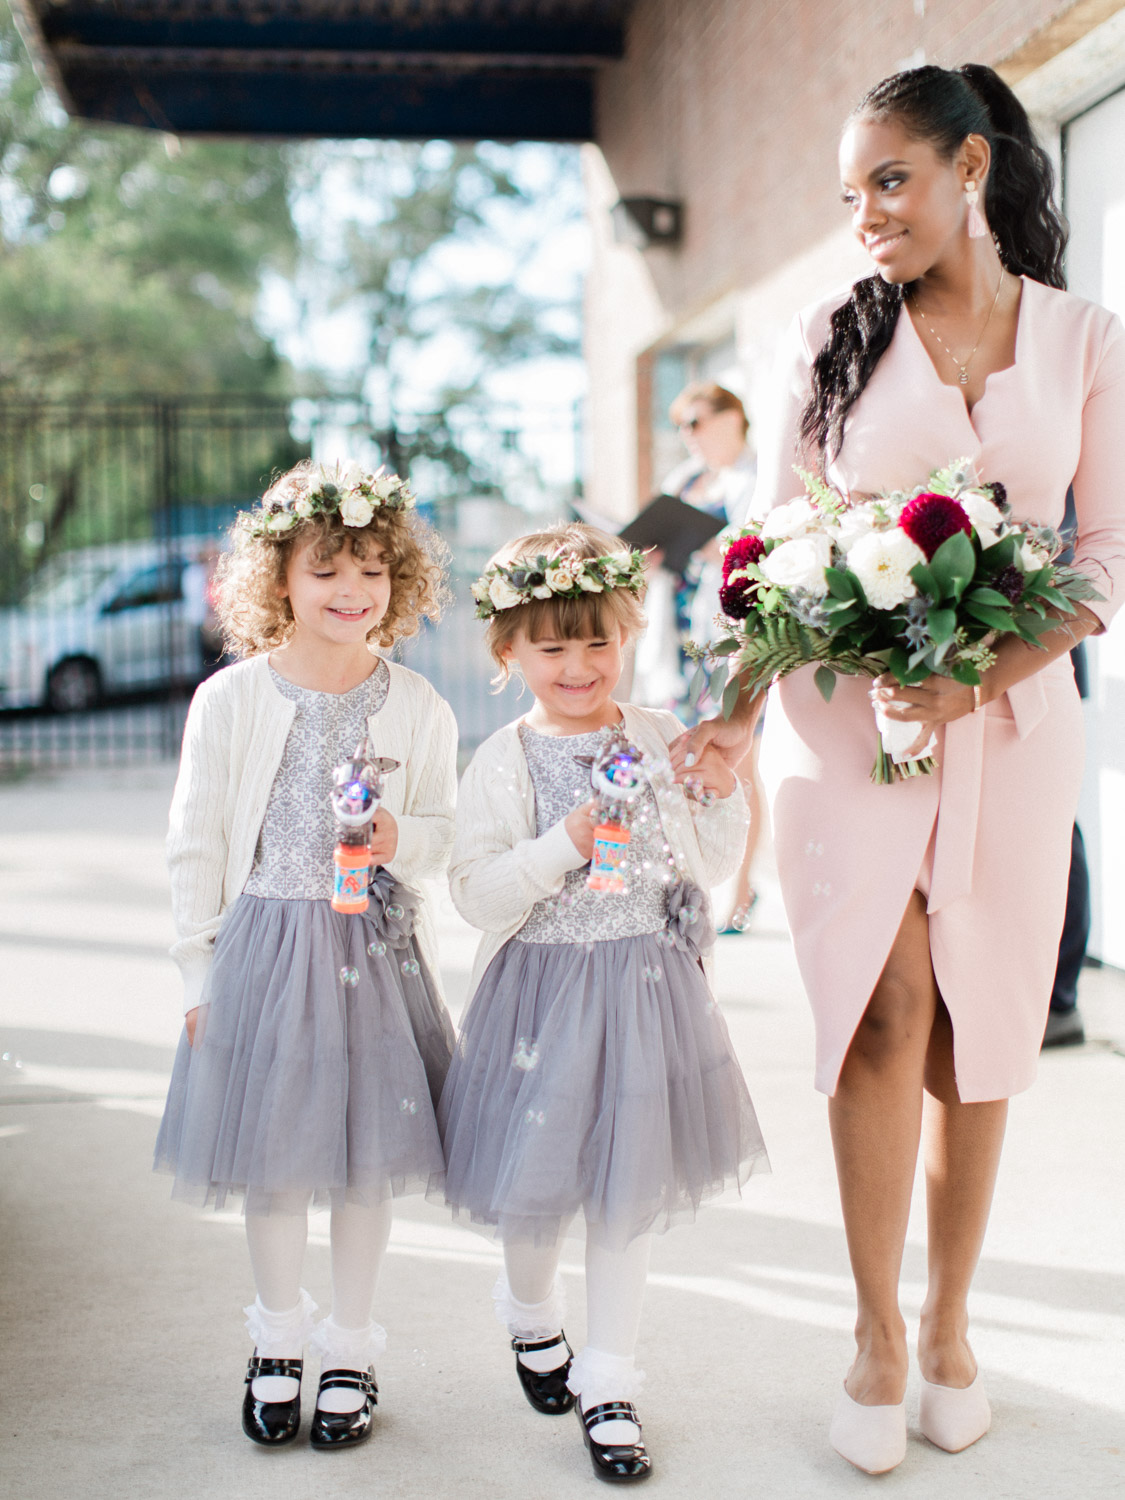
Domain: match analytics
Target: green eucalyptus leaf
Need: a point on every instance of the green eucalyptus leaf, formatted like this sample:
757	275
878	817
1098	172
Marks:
825	680
730	696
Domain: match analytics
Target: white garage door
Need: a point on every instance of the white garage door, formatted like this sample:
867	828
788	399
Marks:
1094	194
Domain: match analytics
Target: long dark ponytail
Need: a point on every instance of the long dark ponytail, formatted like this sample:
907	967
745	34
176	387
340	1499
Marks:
942	106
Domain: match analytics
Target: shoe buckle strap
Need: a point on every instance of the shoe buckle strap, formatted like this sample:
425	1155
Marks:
262	1365
529	1346
609	1411
354	1380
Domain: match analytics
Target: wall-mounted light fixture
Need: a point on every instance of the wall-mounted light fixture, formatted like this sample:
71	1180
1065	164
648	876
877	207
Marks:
643	222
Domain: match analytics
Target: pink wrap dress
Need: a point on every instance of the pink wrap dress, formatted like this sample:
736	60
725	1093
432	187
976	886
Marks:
986	838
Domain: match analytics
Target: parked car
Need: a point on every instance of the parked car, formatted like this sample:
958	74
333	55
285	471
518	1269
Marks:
105	620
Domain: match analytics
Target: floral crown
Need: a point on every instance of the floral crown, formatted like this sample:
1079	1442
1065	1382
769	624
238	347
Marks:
344	489
564	576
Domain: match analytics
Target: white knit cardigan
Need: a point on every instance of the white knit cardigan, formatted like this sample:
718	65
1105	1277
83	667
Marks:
500	867
233	743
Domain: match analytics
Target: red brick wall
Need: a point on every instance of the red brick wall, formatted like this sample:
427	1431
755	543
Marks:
734	107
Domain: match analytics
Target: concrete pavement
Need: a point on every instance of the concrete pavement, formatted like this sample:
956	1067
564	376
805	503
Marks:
121	1323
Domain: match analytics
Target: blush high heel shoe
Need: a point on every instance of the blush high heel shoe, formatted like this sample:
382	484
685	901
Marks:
953	1418
873	1438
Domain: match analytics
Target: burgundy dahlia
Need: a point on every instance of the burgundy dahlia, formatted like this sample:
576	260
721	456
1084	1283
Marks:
736	600
929	520
747	549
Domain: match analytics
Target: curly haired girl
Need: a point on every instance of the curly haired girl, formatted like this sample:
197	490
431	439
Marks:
316	1042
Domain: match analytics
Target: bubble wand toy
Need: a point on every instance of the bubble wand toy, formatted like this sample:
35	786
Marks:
615	774
357	790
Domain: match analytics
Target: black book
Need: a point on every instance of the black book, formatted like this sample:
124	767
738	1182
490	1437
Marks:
677	528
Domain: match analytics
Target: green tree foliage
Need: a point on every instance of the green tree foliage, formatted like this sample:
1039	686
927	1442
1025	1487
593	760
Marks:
129	261
430	251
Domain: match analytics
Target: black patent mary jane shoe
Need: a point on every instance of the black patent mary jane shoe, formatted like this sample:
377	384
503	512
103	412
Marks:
616	1463
271	1423
547	1392
342	1429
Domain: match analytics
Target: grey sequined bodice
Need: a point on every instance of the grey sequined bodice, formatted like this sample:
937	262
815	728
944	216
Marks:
293	859
578	914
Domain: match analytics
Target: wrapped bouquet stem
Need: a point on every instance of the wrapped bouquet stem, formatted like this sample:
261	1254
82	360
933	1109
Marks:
911	583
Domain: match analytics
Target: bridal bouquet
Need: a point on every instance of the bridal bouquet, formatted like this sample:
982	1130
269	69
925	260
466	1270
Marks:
911	583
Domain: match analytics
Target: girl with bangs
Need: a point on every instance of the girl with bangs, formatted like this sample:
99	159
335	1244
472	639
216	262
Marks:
594	1075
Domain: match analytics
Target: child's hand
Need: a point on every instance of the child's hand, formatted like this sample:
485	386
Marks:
193	1022
384	837
580	826
710	773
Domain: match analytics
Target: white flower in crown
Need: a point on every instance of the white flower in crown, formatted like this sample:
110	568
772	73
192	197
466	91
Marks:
882	563
542	591
800	564
986	519
356	509
502	593
479	590
561	574
384	486
790	520
303	507
280	520
591	585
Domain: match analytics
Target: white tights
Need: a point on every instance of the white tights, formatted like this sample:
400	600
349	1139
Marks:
604	1369
280	1320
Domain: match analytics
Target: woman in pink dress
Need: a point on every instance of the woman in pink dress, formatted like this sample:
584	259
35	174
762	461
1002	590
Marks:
926	915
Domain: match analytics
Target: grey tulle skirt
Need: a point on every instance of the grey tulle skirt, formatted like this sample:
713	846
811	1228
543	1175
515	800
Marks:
318	1068
596	1077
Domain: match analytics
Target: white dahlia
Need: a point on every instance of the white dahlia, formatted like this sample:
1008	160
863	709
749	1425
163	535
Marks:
882	563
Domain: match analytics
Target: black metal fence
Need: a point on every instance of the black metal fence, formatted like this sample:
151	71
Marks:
111	515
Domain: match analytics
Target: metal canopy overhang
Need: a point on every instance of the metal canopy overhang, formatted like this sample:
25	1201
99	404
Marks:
399	69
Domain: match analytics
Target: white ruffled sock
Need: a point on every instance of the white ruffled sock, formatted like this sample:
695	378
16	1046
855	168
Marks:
346	1349
541	1319
279	1335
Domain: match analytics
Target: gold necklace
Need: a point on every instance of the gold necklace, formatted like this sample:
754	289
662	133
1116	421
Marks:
963	369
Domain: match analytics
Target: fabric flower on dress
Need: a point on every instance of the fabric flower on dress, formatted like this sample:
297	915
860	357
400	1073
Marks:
689	923
393	908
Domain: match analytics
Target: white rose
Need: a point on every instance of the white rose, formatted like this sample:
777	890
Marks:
541	591
280	521
479	590
854	524
502	594
882	563
385	486
303	507
356	510
790	520
1031	559
986	519
591	585
561	576
800	564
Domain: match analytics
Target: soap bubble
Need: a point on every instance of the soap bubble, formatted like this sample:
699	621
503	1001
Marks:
654	973
349	978
408	1106
377	949
395	913
526	1055
410	966
534	1117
